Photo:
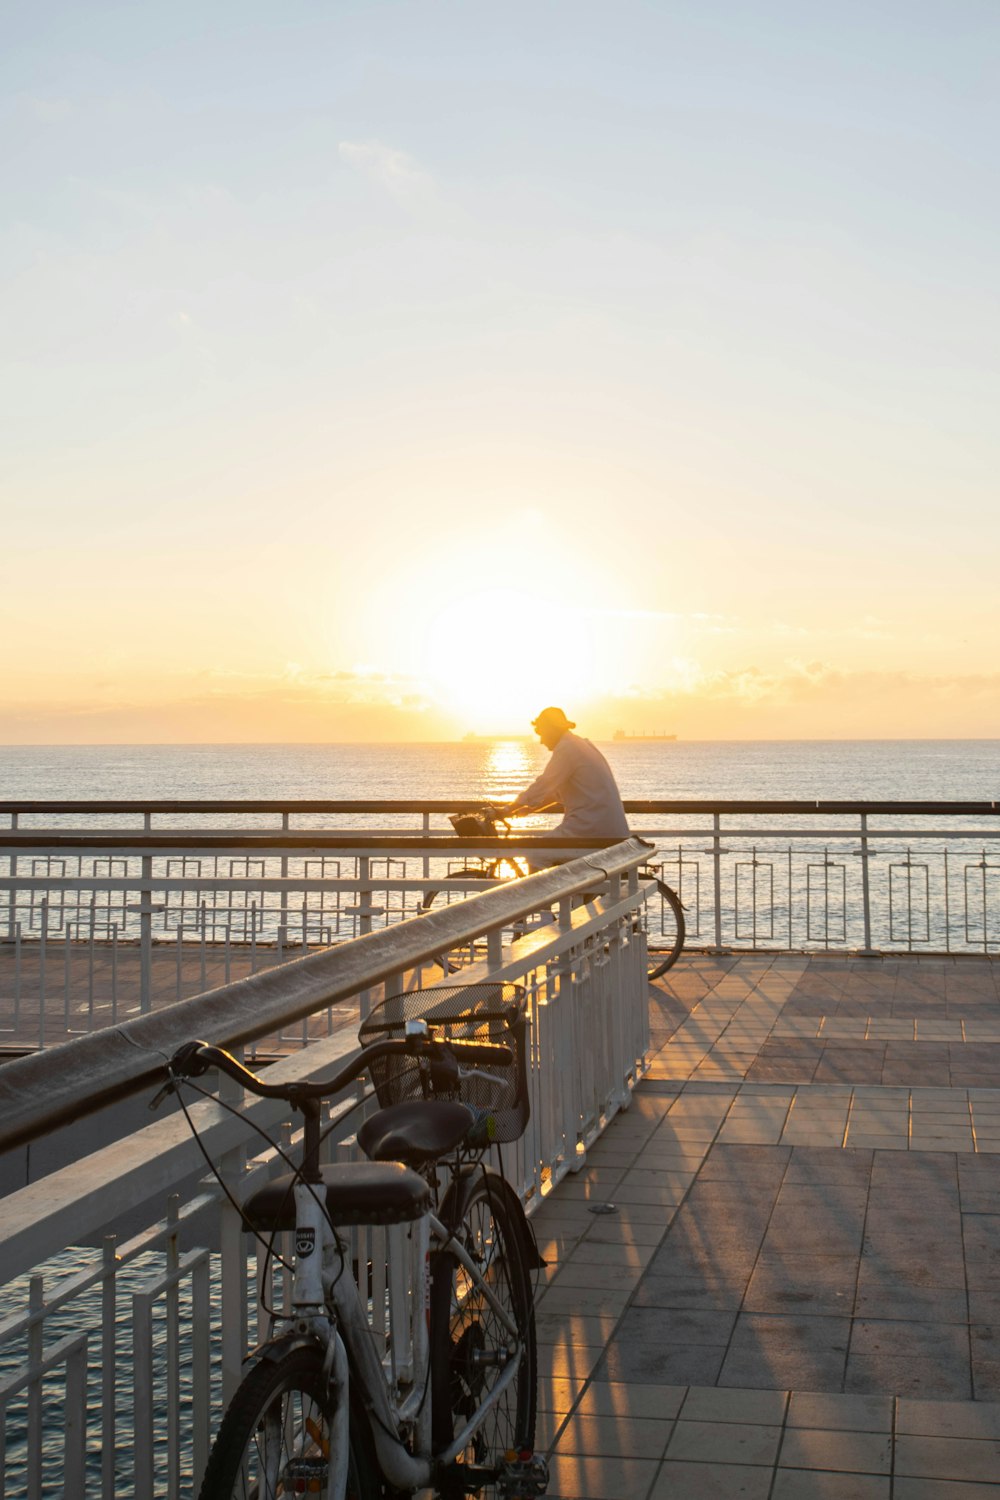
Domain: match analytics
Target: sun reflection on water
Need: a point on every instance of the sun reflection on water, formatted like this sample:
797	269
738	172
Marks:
508	767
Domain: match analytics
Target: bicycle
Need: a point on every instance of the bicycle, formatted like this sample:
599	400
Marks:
488	822
322	1410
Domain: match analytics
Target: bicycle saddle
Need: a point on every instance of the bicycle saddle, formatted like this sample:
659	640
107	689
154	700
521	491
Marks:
417	1131
356	1193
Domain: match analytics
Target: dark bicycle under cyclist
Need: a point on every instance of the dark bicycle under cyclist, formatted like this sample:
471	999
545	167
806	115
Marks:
577	777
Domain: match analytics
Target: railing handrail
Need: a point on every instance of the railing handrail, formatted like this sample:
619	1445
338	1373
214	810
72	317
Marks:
41	1092
909	807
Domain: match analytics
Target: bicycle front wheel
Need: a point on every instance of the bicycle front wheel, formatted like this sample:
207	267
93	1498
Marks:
670	938
472	1346
275	1437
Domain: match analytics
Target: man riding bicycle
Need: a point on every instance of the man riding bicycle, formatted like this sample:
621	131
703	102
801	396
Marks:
577	777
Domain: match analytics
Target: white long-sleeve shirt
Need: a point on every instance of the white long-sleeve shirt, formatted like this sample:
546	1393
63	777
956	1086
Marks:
580	778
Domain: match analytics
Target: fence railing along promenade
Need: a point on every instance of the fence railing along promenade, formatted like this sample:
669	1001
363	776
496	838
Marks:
114	1360
108	906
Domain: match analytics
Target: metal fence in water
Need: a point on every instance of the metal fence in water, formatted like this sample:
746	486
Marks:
108	907
115	1360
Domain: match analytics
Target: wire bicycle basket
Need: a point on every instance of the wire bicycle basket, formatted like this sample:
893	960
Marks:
487	1012
471	825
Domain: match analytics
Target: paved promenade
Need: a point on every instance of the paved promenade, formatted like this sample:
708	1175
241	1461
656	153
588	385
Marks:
778	1275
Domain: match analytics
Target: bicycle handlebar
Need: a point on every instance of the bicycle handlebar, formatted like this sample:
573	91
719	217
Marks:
195	1058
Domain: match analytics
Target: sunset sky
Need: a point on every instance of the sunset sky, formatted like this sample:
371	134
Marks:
390	370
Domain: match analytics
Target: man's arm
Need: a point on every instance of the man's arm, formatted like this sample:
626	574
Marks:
544	791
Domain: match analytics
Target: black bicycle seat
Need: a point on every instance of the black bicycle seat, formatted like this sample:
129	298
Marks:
357	1192
417	1131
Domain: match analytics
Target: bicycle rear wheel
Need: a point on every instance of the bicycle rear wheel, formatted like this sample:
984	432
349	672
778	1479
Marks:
468	872
471	1348
670	940
275	1438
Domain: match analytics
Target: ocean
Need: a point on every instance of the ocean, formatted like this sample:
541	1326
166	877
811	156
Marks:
927	770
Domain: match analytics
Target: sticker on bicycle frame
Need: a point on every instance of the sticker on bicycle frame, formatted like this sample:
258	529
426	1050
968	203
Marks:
305	1242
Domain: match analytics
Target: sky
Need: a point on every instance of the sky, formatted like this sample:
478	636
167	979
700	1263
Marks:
391	370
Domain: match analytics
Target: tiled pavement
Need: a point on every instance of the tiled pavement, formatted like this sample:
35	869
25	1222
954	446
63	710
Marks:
778	1274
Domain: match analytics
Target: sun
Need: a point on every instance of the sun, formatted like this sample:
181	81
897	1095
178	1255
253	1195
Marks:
495	656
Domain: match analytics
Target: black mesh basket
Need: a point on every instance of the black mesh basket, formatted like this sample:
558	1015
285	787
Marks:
467	1012
472	825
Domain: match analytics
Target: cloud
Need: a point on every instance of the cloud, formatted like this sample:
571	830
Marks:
392	169
813	699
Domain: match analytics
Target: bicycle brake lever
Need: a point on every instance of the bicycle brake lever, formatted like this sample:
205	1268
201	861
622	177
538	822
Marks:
479	1073
170	1087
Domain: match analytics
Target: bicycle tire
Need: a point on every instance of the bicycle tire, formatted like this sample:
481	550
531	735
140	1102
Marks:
263	1429
472	872
660	962
464	1328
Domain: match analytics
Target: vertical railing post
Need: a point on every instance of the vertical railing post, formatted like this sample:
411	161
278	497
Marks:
12	903
866	895
232	1257
36	1350
283	911
364	920
146	935
425	828
42	944
717	877
109	1365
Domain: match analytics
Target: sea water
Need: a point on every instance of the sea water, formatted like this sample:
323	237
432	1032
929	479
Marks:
759	770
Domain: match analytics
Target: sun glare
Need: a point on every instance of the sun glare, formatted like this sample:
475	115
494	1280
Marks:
496	656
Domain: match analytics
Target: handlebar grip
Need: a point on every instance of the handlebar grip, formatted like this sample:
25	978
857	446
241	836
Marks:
188	1062
195	1058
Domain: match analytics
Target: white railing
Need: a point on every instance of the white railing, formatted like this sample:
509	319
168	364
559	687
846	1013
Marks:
108	907
115	1360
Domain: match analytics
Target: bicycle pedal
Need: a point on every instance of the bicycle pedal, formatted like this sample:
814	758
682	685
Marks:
522	1474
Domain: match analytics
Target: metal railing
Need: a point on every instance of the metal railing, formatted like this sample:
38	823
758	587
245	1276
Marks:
115	1360
105	907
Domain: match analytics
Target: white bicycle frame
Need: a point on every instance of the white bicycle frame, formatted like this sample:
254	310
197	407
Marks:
320	1283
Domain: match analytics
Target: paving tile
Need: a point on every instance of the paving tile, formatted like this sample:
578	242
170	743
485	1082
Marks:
940	1489
578	1477
948	1458
615	1275
636	1437
692	1364
710	1481
712	1289
904	1265
822	1448
908	1376
602	1398
560	1298
560	1328
945	1342
565	1361
787	1352
715	1404
840	1413
809	1484
809	1283
959	1419
829	1164
592	1252
888	1299
724	1442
